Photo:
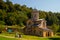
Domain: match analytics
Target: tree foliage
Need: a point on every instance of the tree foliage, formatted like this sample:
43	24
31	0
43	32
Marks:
15	14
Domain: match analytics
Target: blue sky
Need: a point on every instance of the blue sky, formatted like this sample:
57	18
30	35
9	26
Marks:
44	5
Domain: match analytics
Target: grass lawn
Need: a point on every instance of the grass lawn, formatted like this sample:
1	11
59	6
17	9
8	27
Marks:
28	37
24	38
3	38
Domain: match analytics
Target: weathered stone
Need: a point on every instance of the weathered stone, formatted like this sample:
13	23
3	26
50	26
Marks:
36	26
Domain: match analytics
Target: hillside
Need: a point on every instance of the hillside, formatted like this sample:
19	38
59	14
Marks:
16	14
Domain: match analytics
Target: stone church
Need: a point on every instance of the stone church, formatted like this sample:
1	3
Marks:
36	26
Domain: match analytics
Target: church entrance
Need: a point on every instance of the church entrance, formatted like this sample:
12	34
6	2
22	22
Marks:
48	34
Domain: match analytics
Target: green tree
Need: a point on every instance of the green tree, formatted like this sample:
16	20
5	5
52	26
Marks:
55	28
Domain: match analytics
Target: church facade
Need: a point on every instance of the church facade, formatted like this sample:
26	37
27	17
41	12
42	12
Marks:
36	26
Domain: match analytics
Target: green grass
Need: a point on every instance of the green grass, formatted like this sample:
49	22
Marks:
25	37
3	38
7	34
28	37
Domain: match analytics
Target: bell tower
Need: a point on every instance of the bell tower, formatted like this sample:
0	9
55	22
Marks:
35	15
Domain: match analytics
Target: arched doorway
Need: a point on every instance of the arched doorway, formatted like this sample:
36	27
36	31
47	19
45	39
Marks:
47	34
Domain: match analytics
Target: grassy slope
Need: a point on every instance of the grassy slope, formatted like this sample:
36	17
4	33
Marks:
3	38
33	37
25	37
28	37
